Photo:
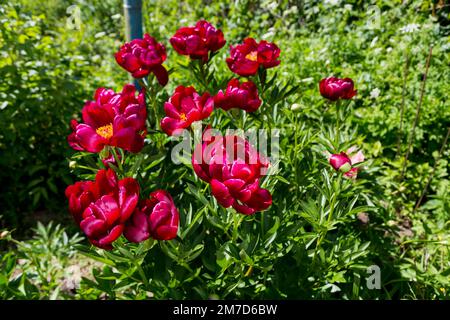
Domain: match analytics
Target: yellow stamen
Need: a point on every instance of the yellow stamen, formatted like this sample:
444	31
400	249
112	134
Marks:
183	117
252	56
105	131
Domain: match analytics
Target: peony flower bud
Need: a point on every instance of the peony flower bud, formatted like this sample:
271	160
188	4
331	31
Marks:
340	162
334	88
345	161
296	107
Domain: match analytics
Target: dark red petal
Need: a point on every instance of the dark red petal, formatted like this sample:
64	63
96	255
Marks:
221	193
161	74
112	236
128	197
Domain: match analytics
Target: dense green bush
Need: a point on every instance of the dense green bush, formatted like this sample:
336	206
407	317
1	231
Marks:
46	69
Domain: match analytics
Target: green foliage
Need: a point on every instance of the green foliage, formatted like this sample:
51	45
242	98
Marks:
46	70
37	267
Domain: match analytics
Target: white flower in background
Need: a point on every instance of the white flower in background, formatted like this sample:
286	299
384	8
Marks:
331	2
375	93
377	51
270	33
410	28
389	49
296	107
374	42
272	6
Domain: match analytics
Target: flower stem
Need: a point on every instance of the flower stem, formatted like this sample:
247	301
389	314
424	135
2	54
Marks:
402	107
118	161
141	273
424	191
338	125
203	74
416	119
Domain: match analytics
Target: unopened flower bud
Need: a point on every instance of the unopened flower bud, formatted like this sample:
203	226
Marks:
296	107
340	162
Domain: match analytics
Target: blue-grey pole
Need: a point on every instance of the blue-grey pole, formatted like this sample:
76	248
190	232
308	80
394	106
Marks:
133	21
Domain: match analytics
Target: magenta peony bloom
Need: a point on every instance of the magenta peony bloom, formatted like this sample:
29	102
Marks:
183	108
114	119
197	41
141	57
345	161
243	96
334	88
80	195
246	58
233	169
157	217
106	204
340	162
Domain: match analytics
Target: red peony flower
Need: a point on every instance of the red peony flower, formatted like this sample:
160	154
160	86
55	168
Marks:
334	88
114	119
81	195
141	57
345	161
340	162
184	107
157	217
243	96
233	168
106	204
196	42
246	58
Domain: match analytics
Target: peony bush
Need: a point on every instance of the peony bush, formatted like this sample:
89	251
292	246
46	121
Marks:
114	124
133	219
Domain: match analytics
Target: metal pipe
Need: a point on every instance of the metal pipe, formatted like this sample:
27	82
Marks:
133	23
133	19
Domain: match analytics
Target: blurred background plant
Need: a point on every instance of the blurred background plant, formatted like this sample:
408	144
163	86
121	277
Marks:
50	65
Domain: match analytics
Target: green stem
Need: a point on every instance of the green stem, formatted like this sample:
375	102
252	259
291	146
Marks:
402	106
141	273
329	219
338	126
236	223
118	161
151	94
155	108
430	178
416	118
202	76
